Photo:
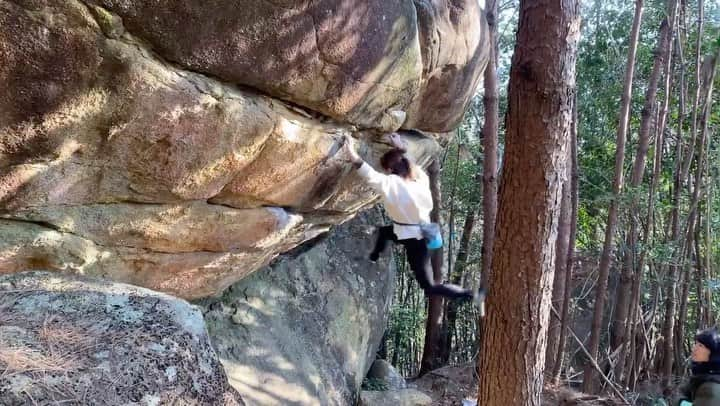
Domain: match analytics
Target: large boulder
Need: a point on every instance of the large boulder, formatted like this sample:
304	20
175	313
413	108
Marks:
73	340
133	170
366	63
304	331
182	146
455	50
384	373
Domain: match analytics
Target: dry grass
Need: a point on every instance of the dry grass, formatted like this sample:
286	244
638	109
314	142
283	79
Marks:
42	372
66	342
49	363
55	352
61	349
45	355
78	356
21	360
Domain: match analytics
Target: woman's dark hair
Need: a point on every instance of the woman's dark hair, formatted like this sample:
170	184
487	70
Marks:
710	338
395	162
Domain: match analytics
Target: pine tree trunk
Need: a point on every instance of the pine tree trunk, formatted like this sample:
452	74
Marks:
490	152
432	351
590	375
565	306
558	290
490	143
541	88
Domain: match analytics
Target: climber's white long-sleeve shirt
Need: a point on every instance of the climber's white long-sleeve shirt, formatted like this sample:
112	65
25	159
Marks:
406	201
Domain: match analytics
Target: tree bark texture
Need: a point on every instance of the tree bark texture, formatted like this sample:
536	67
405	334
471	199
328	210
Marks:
541	90
558	291
565	306
490	143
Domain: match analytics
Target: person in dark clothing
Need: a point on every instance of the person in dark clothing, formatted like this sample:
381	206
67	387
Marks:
418	257
405	192
703	388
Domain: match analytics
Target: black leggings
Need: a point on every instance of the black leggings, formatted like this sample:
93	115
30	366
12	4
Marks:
419	259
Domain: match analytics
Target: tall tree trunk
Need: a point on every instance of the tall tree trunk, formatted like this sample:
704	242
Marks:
451	219
708	247
490	152
707	77
696	99
682	317
618	333
558	291
565	307
490	143
700	279
590	376
432	351
541	88
650	220
668	327
620	367
709	69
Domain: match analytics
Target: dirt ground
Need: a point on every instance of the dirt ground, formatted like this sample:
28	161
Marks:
448	386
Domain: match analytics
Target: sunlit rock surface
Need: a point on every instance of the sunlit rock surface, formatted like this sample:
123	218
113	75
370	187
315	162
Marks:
182	146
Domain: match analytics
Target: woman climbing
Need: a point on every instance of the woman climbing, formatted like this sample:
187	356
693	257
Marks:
703	389
405	192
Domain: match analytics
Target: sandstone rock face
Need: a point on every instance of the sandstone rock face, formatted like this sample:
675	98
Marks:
71	340
181	146
454	43
304	331
358	62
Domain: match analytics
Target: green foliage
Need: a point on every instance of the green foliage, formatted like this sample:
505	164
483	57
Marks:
405	332
460	189
601	65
